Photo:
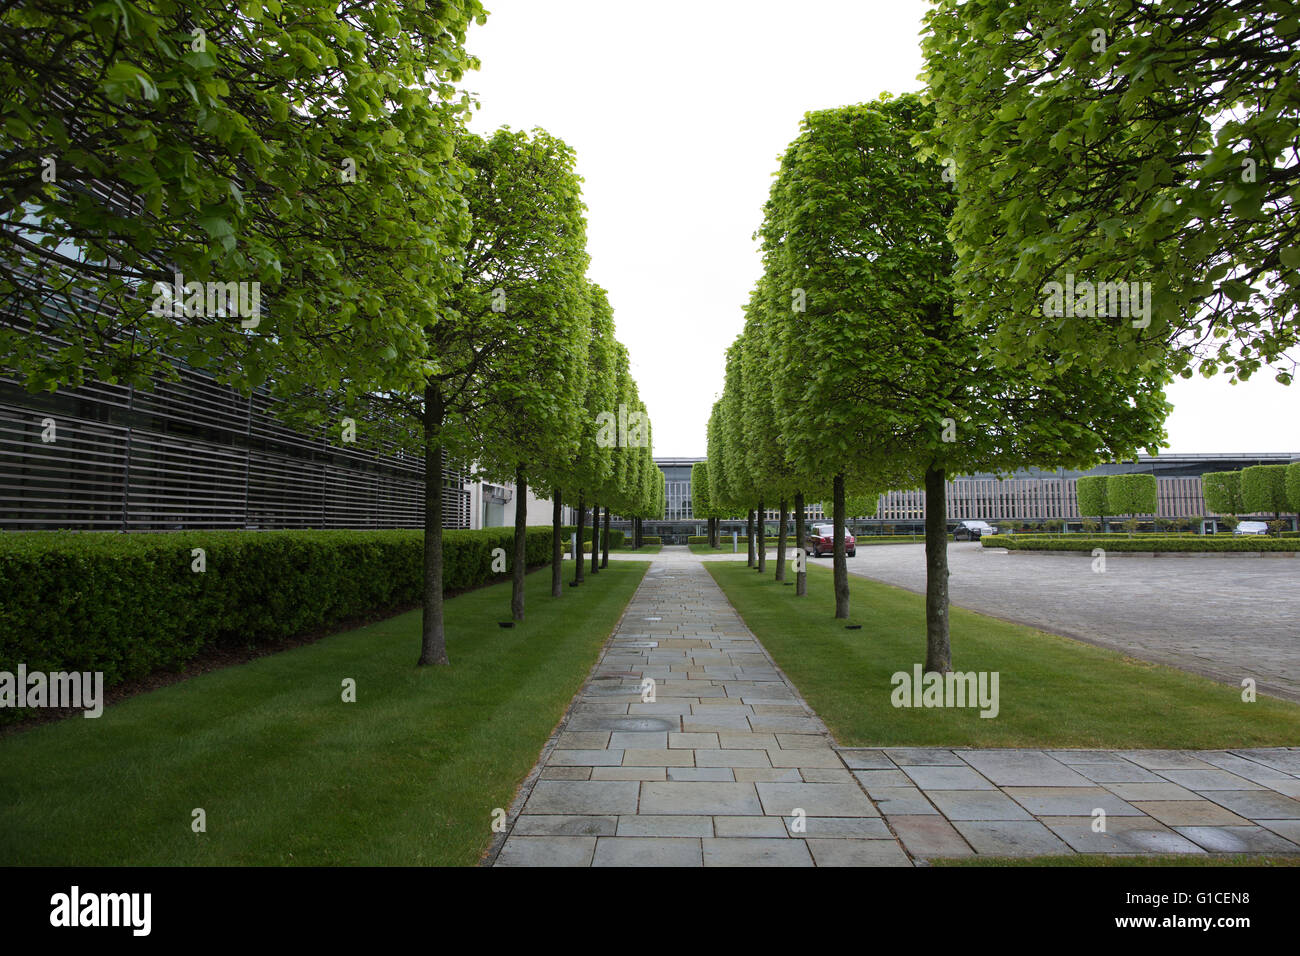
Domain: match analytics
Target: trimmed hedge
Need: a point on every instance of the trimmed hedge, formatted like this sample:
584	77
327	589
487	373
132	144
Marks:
130	604
647	539
1186	543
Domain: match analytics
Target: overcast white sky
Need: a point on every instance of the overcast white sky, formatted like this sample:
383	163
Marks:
679	115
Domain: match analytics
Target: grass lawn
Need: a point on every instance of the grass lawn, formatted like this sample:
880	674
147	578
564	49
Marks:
1053	691
289	774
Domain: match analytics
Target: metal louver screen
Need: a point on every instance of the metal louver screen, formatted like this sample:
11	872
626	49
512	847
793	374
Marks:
193	454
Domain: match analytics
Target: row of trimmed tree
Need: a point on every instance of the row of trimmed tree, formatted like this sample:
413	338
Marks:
1259	489
854	373
903	330
426	283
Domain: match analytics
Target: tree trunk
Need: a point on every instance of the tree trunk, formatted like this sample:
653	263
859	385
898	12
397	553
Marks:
604	546
780	541
557	545
760	533
433	640
841	560
595	539
578	576
801	577
521	552
938	651
714	524
749	535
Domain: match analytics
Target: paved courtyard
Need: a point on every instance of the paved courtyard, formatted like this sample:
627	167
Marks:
1225	618
728	766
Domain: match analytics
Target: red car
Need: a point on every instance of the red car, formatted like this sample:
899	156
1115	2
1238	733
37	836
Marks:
822	541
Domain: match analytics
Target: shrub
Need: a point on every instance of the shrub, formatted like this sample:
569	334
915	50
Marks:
1292	482
130	604
651	539
1090	526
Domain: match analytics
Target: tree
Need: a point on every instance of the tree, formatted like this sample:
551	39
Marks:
302	163
527	204
1091	490
856	229
593	465
1135	143
862	505
1222	492
1263	490
1132	495
701	504
741	489
1292	482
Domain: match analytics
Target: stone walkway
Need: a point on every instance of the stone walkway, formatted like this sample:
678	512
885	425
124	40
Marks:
728	766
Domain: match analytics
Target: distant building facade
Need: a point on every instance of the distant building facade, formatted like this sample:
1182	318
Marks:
1030	495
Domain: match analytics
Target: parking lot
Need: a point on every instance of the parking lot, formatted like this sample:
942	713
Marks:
1225	617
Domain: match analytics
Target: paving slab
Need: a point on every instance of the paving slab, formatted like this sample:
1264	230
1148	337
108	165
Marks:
547	851
714	799
1258	805
1010	837
1070	801
647	851
1201	780
857	853
1284	759
1238	840
753	827
976	805
946	778
583	797
1023	768
1128	835
1150	791
903	801
929	837
640	825
815	799
747	852
865	759
538	824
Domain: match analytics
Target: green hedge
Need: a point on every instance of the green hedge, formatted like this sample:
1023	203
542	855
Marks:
1186	543
130	604
651	539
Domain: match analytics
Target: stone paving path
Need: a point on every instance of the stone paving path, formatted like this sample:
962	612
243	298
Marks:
728	766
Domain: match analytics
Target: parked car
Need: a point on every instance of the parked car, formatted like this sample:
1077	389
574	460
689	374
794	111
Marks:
1251	527
821	540
973	530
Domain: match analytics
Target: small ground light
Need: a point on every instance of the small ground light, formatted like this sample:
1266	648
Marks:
505	623
853	627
